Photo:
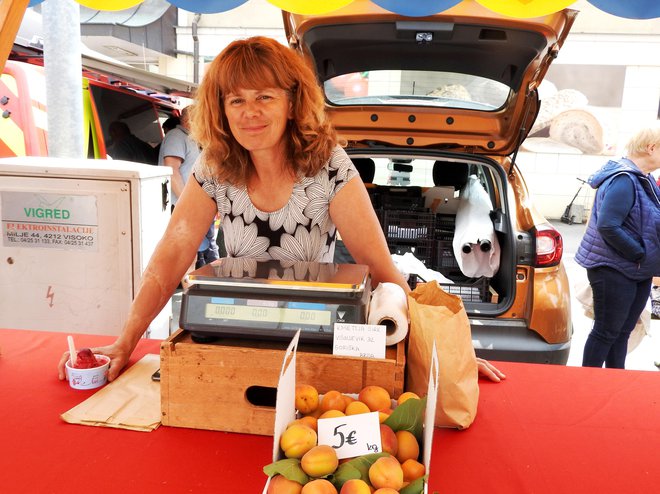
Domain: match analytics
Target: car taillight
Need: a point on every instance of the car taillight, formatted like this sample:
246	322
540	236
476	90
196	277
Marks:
549	246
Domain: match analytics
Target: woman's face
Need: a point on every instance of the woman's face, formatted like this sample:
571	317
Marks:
258	117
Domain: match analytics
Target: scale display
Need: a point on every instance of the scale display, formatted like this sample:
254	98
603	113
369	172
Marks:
281	315
272	300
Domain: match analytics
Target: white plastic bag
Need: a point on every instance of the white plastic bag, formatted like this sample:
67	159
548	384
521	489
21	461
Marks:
585	296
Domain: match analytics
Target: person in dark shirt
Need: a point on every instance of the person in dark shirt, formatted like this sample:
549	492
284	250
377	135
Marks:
621	247
126	146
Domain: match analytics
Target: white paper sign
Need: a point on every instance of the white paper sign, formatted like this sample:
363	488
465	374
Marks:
53	221
351	436
359	340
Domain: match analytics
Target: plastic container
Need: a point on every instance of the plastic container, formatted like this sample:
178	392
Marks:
422	249
469	290
408	226
88	378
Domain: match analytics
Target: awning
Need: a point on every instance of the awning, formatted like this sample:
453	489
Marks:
141	14
128	73
631	9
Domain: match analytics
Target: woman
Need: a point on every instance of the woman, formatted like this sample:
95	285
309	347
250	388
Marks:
621	247
272	169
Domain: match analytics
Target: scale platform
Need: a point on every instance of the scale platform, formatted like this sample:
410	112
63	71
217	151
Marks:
247	298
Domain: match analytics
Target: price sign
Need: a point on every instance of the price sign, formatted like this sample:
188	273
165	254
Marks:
351	436
359	340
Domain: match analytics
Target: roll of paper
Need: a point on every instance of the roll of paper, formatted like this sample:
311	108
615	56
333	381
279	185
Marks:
389	307
475	244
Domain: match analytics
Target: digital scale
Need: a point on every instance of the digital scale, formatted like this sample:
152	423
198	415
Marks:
247	298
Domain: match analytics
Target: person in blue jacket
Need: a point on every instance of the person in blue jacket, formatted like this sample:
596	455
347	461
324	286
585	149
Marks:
621	247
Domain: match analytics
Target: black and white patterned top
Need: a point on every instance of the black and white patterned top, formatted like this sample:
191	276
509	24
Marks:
300	231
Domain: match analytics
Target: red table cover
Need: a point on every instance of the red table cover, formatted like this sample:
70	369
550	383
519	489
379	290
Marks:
546	429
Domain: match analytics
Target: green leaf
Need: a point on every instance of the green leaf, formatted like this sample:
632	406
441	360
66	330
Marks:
290	468
409	416
415	487
357	468
343	474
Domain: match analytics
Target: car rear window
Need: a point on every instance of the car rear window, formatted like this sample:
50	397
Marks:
416	88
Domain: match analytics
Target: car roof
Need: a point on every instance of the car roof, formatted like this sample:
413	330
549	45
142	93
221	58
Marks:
488	67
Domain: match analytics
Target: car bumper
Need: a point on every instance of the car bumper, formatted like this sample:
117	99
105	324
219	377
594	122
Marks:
511	340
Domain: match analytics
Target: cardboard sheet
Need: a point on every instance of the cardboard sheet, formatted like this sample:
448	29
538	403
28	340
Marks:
132	401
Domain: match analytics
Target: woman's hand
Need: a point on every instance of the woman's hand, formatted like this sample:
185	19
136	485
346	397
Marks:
118	359
488	370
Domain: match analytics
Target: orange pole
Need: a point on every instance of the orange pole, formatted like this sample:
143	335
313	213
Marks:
11	15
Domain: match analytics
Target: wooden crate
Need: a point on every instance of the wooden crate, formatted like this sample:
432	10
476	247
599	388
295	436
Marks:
231	385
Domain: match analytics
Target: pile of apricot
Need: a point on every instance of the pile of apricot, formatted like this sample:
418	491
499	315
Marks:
391	472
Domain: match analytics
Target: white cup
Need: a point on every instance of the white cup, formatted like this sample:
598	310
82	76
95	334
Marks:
88	378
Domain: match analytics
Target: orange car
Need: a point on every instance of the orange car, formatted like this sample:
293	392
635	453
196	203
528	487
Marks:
423	104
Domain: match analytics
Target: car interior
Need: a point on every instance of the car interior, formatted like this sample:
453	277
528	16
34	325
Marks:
419	218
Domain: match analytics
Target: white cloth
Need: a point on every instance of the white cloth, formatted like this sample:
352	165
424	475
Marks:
474	231
408	264
389	306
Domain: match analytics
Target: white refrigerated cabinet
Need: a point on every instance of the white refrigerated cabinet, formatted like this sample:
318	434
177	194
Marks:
76	237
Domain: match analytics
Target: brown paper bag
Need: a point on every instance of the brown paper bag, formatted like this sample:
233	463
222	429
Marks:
132	401
435	315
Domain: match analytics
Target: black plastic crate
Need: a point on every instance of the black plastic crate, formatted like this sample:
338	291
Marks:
374	196
400	198
444	260
445	225
423	250
408	225
470	290
402	203
380	214
413	279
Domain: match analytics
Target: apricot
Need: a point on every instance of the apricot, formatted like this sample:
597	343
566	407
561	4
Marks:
386	490
319	461
297	440
383	415
408	446
331	414
412	470
406	396
356	407
307	398
355	486
308	420
318	486
375	397
333	400
386	472
348	400
389	442
316	413
279	484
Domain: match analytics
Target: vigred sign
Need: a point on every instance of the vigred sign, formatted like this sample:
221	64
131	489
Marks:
52	213
40	220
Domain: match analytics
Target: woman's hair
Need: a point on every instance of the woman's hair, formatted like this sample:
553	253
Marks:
259	63
638	142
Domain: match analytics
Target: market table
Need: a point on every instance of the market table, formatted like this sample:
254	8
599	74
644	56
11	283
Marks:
546	429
